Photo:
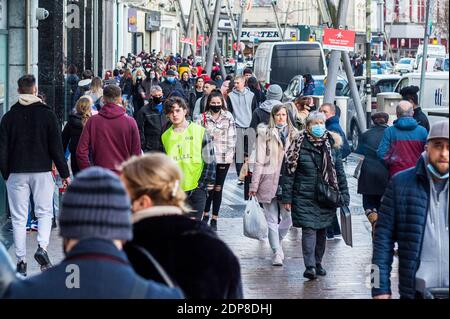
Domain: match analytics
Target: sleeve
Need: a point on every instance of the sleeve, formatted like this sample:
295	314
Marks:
383	148
208	176
231	141
196	113
83	147
141	88
135	139
65	136
230	105
55	146
288	184
140	121
260	160
383	243
4	167
254	103
342	180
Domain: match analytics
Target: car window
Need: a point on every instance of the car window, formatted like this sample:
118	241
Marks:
319	87
384	86
403	83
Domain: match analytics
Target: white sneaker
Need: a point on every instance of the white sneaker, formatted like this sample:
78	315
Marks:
281	252
277	259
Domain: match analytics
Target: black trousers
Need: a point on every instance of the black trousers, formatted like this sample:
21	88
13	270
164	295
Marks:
215	195
196	200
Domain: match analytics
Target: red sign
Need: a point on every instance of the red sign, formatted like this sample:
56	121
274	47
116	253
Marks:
341	40
187	41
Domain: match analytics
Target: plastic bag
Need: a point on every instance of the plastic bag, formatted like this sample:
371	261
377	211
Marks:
255	224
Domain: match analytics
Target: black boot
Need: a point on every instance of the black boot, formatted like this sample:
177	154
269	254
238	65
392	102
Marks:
205	218
22	268
41	257
320	271
310	273
213	224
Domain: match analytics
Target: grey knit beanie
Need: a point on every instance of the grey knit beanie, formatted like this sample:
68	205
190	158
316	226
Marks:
96	205
274	92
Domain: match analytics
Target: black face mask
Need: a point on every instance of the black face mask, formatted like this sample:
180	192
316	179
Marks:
215	108
157	99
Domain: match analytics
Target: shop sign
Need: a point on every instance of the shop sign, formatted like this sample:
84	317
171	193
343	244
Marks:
153	21
340	40
132	20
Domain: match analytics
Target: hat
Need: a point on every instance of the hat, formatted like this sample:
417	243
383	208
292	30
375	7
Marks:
171	73
380	115
274	92
439	130
409	90
96	205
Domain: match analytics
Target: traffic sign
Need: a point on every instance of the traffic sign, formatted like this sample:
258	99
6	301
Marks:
340	40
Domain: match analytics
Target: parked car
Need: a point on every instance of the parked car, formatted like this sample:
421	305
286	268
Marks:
386	67
379	84
296	85
404	65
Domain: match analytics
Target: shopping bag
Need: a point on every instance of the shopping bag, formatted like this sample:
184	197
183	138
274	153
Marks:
255	224
346	226
357	171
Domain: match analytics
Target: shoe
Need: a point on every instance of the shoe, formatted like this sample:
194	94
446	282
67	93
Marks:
310	273
320	271
34	225
277	260
205	218
41	257
22	268
213	224
338	236
240	183
330	237
28	228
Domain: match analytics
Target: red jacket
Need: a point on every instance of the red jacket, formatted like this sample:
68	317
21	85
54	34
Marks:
108	139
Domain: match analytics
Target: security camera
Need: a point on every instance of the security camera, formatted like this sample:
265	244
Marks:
42	14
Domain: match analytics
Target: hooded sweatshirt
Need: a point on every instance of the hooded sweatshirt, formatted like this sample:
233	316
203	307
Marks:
111	136
433	270
241	105
262	114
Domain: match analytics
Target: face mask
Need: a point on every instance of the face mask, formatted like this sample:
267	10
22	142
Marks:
170	80
139	77
216	108
318	130
157	99
280	126
436	173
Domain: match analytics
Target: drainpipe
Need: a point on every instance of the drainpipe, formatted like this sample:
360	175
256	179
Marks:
28	36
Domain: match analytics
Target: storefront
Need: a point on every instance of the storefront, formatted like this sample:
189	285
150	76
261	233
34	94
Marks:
152	27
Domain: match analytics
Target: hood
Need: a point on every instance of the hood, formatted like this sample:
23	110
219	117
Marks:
406	123
338	142
111	111
28	99
269	104
245	92
75	120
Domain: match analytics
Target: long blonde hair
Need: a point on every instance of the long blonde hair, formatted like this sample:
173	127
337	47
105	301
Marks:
155	175
97	86
84	108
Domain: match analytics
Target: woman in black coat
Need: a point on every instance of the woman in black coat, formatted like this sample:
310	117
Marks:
193	256
313	160
374	175
74	127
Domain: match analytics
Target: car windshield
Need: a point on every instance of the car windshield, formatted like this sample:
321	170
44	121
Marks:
404	61
383	86
320	87
384	65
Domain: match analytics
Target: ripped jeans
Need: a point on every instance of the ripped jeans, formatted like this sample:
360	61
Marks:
277	231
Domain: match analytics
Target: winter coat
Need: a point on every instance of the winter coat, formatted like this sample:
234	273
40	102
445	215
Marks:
308	89
269	159
299	189
242	105
146	87
71	86
168	88
70	137
402	144
421	118
223	135
111	137
374	175
262	113
190	252
151	124
332	124
127	86
105	273
30	140
402	218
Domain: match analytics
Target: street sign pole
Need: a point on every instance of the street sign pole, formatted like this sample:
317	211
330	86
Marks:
430	4
213	38
238	42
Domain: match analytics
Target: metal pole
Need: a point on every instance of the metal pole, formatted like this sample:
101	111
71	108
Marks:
213	38
428	21
186	46
233	24
368	61
354	92
238	42
286	19
277	21
335	59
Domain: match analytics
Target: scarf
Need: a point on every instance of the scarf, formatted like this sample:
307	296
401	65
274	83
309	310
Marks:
324	146
28	99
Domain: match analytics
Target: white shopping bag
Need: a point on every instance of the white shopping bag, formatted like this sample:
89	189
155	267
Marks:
255	224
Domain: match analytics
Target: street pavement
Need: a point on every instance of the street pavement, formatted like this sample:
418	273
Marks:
348	268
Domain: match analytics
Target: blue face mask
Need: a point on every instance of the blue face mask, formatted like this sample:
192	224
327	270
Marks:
436	173
318	130
170	80
280	126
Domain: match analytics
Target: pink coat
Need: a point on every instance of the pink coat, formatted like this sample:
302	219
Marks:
269	158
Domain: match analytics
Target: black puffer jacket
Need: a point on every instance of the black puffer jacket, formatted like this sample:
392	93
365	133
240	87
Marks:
151	125
299	189
70	136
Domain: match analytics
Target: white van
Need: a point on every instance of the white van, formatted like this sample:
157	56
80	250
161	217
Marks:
433	51
279	62
436	99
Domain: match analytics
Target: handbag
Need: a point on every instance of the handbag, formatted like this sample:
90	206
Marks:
326	195
346	226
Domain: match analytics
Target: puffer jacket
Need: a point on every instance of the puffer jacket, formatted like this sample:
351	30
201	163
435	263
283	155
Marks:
299	189
402	144
151	124
402	219
269	159
70	137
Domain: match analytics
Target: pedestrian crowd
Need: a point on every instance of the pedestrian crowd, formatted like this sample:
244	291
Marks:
149	148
